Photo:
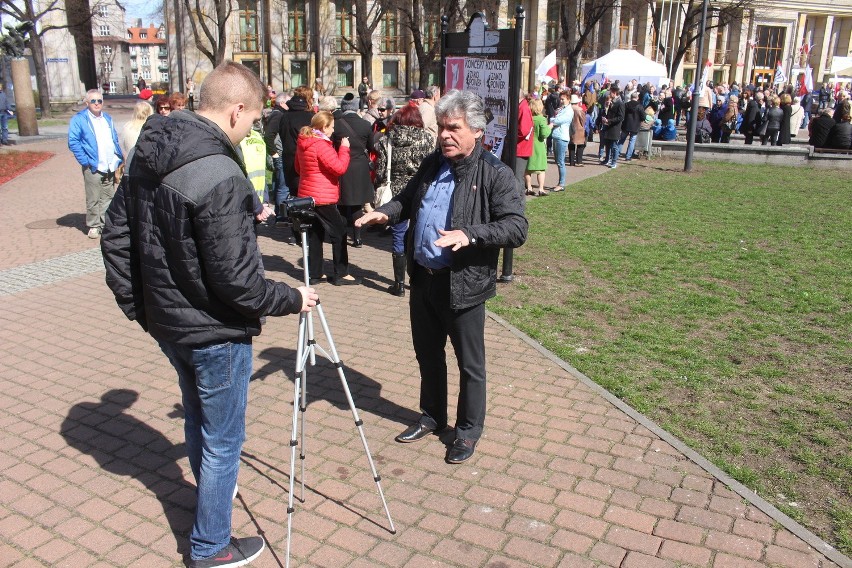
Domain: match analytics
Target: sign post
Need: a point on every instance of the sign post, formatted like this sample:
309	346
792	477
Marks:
488	62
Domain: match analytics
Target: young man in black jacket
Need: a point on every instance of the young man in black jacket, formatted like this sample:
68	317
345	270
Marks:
463	204
182	260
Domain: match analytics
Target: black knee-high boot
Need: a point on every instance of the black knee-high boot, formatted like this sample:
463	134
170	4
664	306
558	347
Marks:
398	286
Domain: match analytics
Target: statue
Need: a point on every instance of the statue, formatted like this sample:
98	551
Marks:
15	40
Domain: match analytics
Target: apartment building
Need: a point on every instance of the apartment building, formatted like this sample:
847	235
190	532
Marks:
149	55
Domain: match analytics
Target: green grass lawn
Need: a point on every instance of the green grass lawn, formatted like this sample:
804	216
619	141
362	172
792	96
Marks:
716	303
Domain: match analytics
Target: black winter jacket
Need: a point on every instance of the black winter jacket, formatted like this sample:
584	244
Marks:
179	243
820	128
634	115
488	206
297	115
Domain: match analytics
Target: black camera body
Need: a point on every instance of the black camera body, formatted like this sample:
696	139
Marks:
298	208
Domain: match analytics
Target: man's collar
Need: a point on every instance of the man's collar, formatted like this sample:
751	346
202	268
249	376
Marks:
93	115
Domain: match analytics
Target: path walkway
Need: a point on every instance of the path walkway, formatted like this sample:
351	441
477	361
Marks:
93	472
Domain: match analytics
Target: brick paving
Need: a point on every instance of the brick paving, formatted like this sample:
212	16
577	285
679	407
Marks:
93	472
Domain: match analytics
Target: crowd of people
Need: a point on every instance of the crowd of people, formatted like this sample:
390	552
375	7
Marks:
620	114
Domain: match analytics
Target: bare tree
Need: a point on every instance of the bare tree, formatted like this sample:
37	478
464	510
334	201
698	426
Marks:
106	59
426	49
578	20
720	14
208	20
366	22
78	17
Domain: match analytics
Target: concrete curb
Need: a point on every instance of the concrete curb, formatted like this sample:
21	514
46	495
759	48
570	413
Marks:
813	540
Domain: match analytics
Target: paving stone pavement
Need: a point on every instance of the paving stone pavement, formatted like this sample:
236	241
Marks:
93	471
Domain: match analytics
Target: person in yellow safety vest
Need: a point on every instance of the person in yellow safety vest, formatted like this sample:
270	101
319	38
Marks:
254	157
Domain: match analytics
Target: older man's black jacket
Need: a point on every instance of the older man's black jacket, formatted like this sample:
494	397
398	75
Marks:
179	243
487	205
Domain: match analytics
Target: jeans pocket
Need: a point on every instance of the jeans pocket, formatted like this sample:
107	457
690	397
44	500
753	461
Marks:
214	365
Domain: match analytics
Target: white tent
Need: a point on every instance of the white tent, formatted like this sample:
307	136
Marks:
624	65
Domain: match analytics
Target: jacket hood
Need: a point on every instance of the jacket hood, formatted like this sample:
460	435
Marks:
297	103
168	143
306	142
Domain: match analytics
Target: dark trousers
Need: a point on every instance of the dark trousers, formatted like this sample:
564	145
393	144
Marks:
328	227
575	154
435	321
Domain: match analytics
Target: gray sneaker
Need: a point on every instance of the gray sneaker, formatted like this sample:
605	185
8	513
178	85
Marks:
239	552
94	233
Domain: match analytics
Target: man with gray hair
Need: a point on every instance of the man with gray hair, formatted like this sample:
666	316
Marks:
464	205
93	140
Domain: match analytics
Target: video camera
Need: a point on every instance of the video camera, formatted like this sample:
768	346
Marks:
298	208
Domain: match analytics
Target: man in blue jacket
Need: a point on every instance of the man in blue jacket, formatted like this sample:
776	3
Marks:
5	113
93	140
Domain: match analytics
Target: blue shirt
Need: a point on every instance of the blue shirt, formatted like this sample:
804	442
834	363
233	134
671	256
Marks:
436	212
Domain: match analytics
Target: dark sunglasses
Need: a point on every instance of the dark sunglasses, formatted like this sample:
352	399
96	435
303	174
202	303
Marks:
164	108
96	101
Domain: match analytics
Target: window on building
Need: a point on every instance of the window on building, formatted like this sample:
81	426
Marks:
103	30
720	54
164	76
346	74
108	67
551	36
297	39
390	74
390	33
248	25
132	51
112	86
146	75
298	73
143	35
103	10
161	34
146	60
135	76
770	46
106	50
624	39
344	25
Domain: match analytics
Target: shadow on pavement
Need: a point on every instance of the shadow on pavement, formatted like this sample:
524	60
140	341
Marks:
73	220
323	383
124	445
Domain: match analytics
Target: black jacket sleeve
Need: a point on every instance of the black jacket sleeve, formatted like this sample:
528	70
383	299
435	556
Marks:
231	260
120	260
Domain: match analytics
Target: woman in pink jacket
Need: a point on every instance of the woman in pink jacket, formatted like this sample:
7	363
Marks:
319	167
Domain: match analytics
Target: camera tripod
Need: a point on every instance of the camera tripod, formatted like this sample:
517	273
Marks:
306	351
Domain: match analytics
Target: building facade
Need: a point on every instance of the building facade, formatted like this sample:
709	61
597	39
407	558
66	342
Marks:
294	42
111	48
149	56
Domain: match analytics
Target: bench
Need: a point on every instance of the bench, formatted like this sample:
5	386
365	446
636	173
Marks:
847	152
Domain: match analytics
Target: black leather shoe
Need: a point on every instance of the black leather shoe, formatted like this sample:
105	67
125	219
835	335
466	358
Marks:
345	282
413	433
461	450
315	281
357	243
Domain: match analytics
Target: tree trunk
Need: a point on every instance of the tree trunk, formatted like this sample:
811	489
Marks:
367	62
41	75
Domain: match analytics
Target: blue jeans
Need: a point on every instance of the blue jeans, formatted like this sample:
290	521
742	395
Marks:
4	126
279	184
612	152
559	147
631	144
214	383
398	234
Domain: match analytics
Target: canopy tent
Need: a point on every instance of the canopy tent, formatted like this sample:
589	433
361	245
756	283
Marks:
841	66
624	65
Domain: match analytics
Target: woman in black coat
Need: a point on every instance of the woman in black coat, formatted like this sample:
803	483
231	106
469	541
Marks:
356	188
784	134
840	135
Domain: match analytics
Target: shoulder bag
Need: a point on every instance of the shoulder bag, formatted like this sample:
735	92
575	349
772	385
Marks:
383	192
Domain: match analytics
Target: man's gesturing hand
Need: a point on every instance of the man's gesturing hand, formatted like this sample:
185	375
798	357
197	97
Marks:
309	298
456	239
372	218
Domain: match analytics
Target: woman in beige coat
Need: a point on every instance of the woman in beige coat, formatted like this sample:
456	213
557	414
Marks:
578	133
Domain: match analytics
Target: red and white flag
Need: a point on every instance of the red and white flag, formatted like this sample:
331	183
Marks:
547	68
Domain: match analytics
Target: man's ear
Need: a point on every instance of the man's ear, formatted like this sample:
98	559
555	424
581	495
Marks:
236	111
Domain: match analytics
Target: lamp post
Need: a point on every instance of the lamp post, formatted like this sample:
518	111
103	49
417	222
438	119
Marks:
693	114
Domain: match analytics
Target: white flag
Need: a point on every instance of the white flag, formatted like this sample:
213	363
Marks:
547	68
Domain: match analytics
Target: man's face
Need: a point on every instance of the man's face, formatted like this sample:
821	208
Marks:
456	137
95	102
243	122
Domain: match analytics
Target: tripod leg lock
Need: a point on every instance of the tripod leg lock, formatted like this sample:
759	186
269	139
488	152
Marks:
339	364
293	443
359	422
290	510
377	478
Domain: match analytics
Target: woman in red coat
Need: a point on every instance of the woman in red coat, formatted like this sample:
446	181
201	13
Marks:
319	167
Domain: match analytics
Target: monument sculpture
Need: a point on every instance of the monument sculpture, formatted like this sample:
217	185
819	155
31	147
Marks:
13	43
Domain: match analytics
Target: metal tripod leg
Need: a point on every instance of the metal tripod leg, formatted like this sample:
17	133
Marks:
306	351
